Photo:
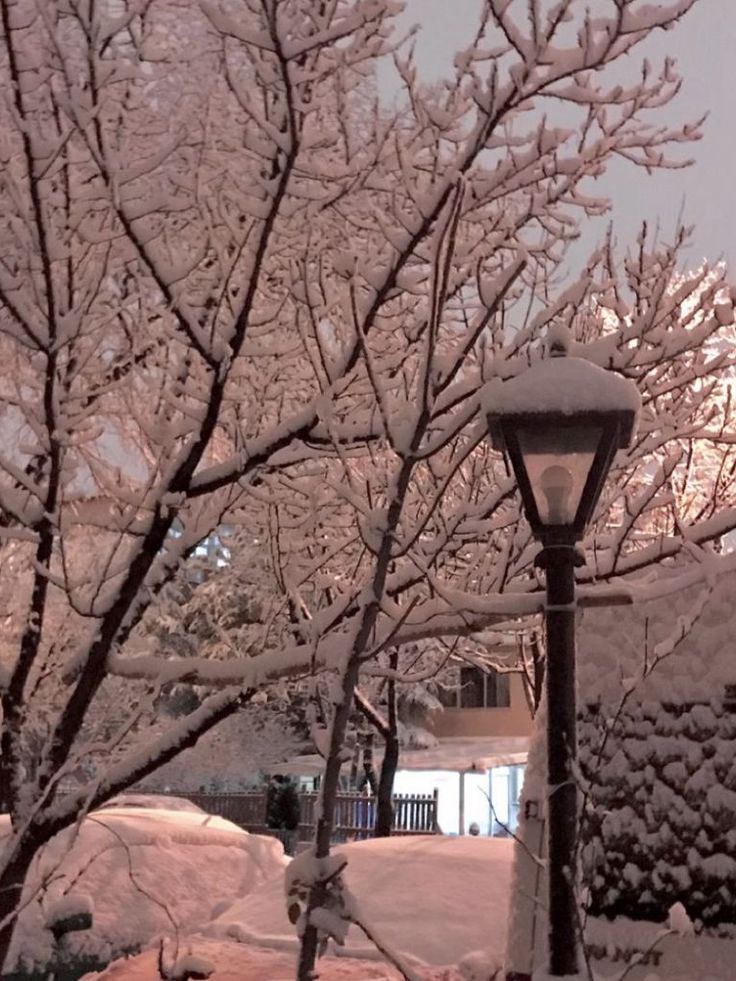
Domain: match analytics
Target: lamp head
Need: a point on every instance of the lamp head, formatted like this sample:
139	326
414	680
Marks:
560	424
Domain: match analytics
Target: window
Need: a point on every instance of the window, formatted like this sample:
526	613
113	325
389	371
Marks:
477	688
214	549
498	690
472	688
210	554
505	787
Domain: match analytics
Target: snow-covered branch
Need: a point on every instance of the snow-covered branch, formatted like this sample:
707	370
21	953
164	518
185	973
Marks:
239	292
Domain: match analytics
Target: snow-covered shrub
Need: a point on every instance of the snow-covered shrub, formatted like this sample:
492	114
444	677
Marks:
660	826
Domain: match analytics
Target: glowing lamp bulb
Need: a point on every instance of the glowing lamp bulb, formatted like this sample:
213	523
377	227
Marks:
556	483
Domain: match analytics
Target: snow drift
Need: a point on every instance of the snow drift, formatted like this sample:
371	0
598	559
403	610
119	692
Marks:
141	873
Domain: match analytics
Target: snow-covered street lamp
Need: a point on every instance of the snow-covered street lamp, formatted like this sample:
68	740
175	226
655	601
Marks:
560	423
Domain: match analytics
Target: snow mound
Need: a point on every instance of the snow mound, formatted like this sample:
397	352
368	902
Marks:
165	802
480	965
679	921
148	824
433	898
142	873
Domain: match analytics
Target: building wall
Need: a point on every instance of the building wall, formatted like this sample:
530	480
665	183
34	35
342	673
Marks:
516	720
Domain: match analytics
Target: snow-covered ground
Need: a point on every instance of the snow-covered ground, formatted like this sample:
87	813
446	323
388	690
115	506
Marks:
242	962
668	951
432	898
217	893
142	872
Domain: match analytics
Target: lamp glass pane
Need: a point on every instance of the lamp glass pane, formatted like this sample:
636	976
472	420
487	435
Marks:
557	463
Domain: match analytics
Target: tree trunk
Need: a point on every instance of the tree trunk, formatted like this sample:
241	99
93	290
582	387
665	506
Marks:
323	831
384	803
11	887
369	770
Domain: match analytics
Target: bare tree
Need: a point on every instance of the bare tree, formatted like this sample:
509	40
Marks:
233	282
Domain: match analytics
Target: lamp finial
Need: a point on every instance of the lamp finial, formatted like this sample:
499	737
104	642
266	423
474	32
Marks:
559	340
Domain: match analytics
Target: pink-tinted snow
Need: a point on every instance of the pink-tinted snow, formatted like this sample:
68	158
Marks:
432	898
243	962
143	873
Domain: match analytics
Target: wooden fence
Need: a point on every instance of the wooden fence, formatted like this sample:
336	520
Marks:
247	809
355	814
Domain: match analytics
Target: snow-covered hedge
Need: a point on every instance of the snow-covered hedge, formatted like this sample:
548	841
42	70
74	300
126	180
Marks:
660	825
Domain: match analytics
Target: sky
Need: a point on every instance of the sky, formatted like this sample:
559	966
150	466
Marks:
703	45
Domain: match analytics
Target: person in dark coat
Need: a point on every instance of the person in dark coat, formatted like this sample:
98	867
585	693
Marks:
283	812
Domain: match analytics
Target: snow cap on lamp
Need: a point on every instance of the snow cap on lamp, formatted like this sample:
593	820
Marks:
560	422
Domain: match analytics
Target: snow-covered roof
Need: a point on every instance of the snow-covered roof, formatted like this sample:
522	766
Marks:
458	753
561	384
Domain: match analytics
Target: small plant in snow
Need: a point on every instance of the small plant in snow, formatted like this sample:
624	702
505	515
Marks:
332	917
182	966
69	914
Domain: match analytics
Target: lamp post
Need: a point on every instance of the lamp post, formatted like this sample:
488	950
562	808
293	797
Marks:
560	424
